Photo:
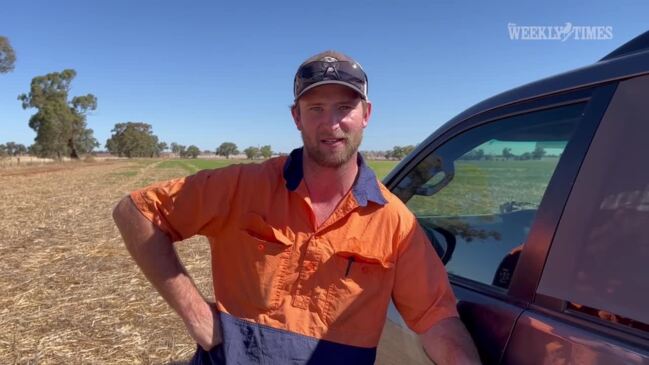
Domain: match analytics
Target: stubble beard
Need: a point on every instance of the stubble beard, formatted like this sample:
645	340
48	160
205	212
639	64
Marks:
336	159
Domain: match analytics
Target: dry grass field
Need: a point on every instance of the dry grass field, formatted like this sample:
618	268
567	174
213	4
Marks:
70	292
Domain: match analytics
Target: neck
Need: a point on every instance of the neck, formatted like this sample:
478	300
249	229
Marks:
329	183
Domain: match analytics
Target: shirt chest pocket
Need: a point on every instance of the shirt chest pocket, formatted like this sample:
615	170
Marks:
266	250
359	287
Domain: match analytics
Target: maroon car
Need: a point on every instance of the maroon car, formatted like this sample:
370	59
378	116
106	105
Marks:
537	200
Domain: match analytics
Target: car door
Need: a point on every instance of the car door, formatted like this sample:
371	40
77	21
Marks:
592	302
489	191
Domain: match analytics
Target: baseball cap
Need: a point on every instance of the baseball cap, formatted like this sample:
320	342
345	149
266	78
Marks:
330	67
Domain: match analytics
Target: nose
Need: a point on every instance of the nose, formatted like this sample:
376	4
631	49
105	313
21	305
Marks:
333	119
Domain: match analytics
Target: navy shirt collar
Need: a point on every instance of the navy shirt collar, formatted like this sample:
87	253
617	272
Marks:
365	188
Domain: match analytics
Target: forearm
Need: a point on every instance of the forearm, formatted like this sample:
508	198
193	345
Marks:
154	253
448	342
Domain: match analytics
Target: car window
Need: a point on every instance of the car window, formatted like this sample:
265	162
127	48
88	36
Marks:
478	193
599	259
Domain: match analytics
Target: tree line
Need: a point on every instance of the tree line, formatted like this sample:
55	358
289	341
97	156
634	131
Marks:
62	131
479	154
136	139
12	149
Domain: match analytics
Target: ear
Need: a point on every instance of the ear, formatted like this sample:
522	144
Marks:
295	112
366	113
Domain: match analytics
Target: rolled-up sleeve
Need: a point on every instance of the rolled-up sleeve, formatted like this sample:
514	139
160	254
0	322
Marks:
196	204
422	292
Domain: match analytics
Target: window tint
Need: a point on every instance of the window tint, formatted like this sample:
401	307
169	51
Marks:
599	257
477	194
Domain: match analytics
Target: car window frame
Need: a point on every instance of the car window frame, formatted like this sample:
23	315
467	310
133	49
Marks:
525	281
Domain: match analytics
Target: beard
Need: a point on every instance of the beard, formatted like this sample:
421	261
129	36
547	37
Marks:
326	158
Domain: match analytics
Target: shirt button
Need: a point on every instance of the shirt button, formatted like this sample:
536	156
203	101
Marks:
260	246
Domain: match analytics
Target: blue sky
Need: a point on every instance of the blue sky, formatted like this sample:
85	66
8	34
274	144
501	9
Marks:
205	72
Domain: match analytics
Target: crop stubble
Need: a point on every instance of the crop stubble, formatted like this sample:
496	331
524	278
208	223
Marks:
70	293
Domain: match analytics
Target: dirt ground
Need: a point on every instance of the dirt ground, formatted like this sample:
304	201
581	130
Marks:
70	292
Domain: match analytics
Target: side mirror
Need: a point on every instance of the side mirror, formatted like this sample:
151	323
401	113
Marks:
438	174
427	178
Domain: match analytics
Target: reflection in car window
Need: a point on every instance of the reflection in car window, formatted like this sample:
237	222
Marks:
477	194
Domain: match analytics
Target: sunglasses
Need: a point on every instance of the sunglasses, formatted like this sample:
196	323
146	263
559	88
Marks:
349	73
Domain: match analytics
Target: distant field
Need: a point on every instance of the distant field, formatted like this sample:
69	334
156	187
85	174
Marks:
480	187
194	165
381	168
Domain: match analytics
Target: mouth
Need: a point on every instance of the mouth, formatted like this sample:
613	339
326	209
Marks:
332	141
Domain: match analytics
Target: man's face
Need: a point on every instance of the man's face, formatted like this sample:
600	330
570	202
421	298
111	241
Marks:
331	119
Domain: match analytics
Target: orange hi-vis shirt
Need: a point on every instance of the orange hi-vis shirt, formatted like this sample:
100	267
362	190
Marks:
286	289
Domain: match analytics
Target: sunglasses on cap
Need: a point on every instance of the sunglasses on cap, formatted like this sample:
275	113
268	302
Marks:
317	73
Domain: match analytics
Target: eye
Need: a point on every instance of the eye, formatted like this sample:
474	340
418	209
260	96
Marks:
345	108
315	109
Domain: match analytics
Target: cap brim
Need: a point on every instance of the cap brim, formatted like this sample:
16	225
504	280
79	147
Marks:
324	82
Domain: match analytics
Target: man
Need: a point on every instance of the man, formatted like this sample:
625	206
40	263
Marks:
306	250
